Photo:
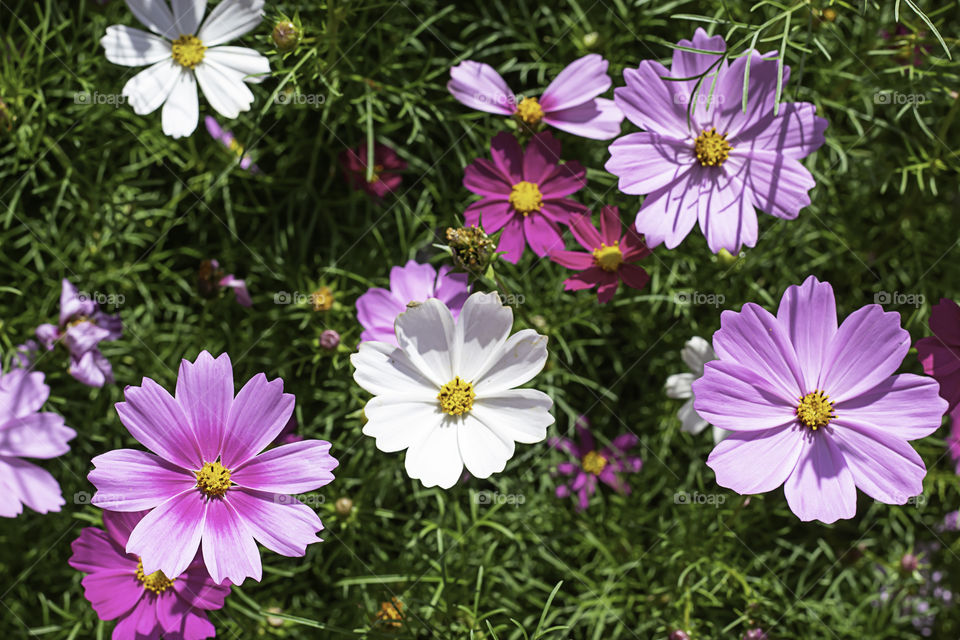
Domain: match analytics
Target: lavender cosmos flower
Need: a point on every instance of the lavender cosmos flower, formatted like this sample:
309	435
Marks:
720	163
940	353
815	407
145	605
524	193
386	167
82	327
227	139
608	256
26	432
595	464
208	482
570	103
211	280
378	308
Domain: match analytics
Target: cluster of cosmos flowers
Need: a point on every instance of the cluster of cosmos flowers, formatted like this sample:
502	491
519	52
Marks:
796	398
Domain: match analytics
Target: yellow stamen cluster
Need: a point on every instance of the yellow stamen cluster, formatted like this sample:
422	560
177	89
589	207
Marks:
594	463
322	299
456	397
608	258
188	51
712	148
155	582
815	410
529	111
377	170
213	480
391	613
525	197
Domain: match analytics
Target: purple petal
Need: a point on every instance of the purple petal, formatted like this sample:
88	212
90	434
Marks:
483	178
22	393
130	480
645	162
687	64
292	468
739	398
668	214
257	415
512	241
756	461
205	393
907	406
883	465
821	486
413	282
41	435
652	103
566	179
761	93
540	157
83	337
112	593
579	82
542	235
22	482
808	315
280	523
795	131
168	537
229	550
727	218
507	154
71	304
156	420
478	86
598	119
92	369
377	309
777	184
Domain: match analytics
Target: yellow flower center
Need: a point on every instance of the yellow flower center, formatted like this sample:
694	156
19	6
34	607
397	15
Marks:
391	613
608	258
525	197
213	480
712	148
815	410
188	51
156	581
530	111
456	397
322	299
594	463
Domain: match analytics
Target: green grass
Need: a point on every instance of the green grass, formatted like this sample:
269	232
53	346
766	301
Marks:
99	195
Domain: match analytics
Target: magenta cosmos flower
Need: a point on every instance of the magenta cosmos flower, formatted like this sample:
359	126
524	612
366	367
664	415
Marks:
386	167
815	407
145	605
227	139
604	465
720	163
26	432
82	327
524	193
208	482
570	103
940	353
608	256
377	309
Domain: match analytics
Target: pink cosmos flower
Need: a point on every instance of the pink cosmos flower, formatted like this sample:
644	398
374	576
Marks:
145	605
82	327
211	280
386	165
227	139
208	483
713	162
592	464
26	432
940	353
608	256
815	407
524	193
378	308
570	103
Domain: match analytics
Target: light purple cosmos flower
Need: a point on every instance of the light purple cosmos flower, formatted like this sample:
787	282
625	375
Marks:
227	139
82	327
594	464
208	482
524	193
815	407
26	432
145	605
721	163
211	280
570	103
378	308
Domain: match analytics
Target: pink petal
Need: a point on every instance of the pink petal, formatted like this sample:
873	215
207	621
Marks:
741	398
496	215
761	93
156	420
687	64
572	259
119	524
608	287
512	241
479	87
168	537
376	311
795	131
22	393
229	550
540	157
633	276
23	482
777	184
652	103
483	178
413	282
580	81
39	435
94	551
542	235
197	589
585	233
906	406
584	280
205	392
280	523
598	119
611	227
883	465
727	218
821	486
131	480
645	162
756	461
566	179
139	622
808	315
507	155
668	214
562	209
113	593
257	415
291	468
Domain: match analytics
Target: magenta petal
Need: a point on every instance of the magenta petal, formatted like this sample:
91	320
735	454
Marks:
478	86
280	523
586	279
197	588
607	287
168	537
906	406
611	227
507	154
821	486
495	215
756	461
739	398
257	415
727	217
572	259
412	282
808	314
376	311
205	392
156	420
668	214
229	550
483	178
541	157
645	162
131	480
94	551
291	468
883	465
633	276
564	180
512	241
580	81
112	593
139	622
778	184
119	524
598	119
542	235
584	232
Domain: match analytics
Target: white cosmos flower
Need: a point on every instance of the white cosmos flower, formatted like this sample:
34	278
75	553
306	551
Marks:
185	52
696	353
447	395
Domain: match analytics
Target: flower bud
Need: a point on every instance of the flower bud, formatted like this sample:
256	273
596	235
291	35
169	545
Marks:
286	35
329	339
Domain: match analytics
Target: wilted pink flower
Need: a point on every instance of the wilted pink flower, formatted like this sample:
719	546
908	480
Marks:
227	139
570	103
908	45
608	258
211	280
525	193
386	167
145	605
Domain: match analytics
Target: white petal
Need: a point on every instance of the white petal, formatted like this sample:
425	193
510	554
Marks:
147	90
223	88
523	357
181	112
427	335
187	15
230	19
154	15
692	422
678	385
482	330
435	460
133	47
484	452
383	369
522	415
398	424
696	353
252	65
